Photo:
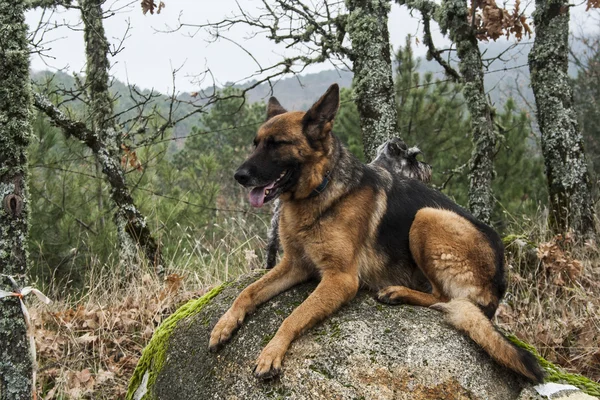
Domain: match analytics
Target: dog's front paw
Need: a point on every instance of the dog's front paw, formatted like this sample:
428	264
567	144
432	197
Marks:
268	364
392	295
224	329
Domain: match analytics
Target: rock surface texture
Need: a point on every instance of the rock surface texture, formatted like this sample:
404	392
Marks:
365	351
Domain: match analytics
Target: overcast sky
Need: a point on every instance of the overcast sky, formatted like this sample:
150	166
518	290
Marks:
149	56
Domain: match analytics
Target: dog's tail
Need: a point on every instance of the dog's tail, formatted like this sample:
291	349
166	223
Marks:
467	317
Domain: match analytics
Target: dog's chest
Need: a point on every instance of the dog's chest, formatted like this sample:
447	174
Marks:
299	224
342	233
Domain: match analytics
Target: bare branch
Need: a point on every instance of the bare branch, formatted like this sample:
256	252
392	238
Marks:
120	194
435	53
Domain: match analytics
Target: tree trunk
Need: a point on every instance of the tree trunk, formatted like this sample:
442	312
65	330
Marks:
16	365
101	107
571	205
135	225
481	200
453	18
372	66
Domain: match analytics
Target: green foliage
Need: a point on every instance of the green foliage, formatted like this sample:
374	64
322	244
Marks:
71	220
587	99
347	124
186	193
519	185
432	115
231	126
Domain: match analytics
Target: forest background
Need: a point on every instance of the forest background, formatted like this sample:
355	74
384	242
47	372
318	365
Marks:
106	306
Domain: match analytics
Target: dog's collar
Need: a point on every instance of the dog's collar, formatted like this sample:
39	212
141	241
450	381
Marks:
321	188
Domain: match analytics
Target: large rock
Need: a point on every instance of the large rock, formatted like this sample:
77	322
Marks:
367	350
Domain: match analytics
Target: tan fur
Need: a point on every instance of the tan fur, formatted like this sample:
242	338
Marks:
466	316
332	248
454	255
401	294
284	276
288	127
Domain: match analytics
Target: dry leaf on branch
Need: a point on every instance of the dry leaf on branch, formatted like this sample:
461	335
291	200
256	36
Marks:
150	5
493	22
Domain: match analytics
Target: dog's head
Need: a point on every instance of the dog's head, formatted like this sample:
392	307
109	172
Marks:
291	150
399	159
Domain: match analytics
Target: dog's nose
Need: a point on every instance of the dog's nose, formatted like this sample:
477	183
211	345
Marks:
242	175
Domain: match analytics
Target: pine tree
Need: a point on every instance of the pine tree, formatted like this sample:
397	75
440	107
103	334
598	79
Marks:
586	90
433	115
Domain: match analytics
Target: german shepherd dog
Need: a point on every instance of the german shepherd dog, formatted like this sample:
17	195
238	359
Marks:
392	155
350	225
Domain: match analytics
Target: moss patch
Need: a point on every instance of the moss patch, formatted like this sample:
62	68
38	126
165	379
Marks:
153	356
556	374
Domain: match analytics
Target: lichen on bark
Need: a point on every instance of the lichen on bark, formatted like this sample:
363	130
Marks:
571	205
16	366
100	107
373	85
453	19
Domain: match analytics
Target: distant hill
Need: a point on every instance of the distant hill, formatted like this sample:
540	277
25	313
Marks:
507	76
299	93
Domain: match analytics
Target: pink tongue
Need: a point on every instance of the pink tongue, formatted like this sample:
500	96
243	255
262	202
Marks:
257	195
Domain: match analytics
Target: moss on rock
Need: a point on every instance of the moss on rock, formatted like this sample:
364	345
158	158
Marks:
556	374
153	356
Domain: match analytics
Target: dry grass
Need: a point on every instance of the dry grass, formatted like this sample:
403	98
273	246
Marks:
553	300
89	346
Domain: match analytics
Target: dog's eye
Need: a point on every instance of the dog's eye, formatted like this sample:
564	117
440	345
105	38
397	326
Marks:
273	143
255	143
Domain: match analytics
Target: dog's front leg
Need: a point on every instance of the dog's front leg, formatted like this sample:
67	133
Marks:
285	275
334	290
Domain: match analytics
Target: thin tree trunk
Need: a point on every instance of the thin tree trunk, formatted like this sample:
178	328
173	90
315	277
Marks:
481	200
452	17
16	365
100	197
571	205
372	66
101	107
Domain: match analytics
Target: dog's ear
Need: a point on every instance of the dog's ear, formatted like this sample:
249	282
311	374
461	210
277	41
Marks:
414	152
318	121
397	147
274	108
